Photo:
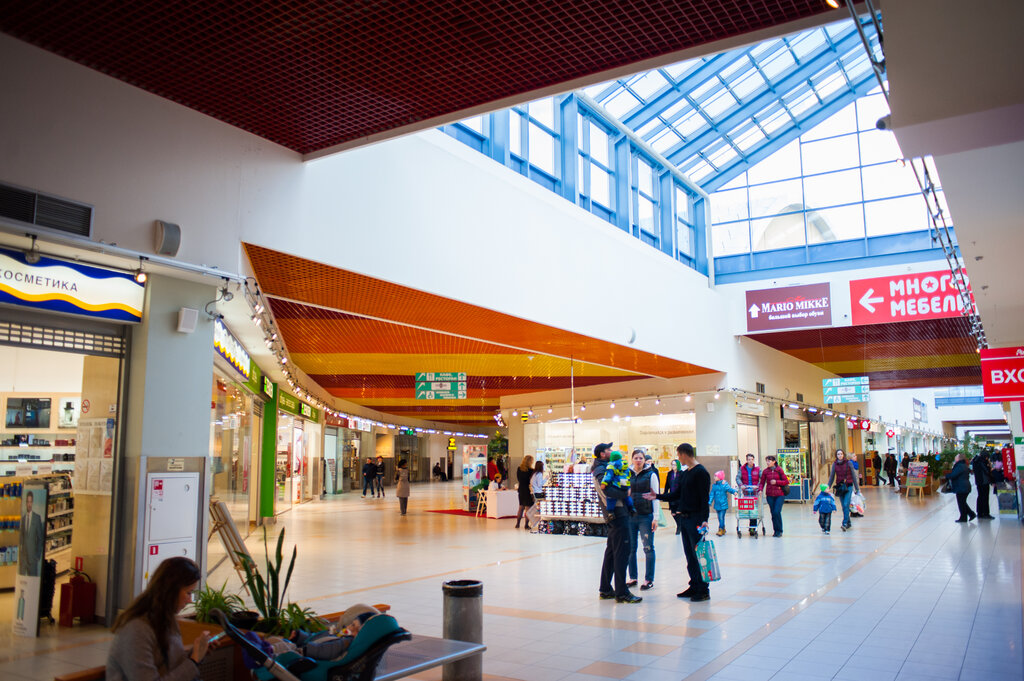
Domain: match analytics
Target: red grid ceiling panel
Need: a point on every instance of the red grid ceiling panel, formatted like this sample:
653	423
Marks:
298	279
311	74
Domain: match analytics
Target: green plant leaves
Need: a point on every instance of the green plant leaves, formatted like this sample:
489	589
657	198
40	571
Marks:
268	592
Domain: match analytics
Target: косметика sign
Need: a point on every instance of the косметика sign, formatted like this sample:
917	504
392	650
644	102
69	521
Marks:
69	287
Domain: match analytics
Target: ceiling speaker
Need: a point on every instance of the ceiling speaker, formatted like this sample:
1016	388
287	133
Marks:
168	238
187	320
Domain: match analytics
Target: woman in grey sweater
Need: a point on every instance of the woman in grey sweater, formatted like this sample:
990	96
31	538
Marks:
147	643
402	490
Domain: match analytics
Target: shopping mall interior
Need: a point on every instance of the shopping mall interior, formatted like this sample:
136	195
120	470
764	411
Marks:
256	263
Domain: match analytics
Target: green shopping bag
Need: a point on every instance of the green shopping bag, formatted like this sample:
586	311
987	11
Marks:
708	560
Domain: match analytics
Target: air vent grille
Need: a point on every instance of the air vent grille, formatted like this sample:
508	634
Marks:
69	340
760	388
51	212
799	397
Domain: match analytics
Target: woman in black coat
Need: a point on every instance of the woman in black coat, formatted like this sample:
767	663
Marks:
960	480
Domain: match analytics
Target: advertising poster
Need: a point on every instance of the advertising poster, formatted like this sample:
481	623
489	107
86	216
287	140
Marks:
474	469
917	474
31	549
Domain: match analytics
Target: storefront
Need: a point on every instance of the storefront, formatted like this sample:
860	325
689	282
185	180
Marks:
236	407
344	441
64	336
298	472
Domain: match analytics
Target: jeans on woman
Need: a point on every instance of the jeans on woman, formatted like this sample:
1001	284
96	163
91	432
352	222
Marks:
775	504
641	525
844	501
721	517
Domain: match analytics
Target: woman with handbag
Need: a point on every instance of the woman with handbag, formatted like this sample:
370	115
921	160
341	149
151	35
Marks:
843	479
776	486
959	480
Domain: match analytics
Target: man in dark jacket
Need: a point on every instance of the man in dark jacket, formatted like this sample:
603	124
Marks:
616	551
982	468
688	500
369	475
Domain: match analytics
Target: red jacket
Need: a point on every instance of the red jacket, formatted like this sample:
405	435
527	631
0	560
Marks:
774	473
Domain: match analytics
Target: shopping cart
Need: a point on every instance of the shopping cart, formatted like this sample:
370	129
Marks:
748	504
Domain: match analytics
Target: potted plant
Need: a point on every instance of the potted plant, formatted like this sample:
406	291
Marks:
209	599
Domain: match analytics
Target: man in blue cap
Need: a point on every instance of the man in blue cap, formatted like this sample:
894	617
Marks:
616	515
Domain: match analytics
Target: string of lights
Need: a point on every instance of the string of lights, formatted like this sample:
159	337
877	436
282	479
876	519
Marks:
263	319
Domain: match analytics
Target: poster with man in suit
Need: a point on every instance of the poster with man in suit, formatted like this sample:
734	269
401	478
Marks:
31	550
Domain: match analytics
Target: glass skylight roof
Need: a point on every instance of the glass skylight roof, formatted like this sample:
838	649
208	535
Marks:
715	116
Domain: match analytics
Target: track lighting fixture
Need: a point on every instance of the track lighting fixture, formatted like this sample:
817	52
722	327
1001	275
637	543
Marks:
140	274
689	397
636	403
32	255
613	404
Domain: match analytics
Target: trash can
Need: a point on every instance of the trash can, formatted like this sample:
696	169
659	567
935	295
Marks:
464	621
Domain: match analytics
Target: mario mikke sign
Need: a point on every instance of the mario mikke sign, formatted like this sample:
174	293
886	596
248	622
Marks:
1002	374
69	287
791	307
905	298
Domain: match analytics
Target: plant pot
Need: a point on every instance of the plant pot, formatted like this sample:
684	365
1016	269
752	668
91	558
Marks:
244	619
264	626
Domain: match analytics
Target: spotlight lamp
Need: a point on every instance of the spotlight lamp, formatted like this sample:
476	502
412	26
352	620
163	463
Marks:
140	274
657	400
613	404
636	403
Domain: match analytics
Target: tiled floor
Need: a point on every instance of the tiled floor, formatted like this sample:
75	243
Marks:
907	595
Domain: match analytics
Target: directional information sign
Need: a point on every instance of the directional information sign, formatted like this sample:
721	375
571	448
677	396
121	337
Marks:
851	389
440	376
905	297
790	307
449	385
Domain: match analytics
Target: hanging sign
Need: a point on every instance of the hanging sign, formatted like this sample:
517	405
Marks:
440	386
850	389
295	407
69	287
1002	374
905	298
790	307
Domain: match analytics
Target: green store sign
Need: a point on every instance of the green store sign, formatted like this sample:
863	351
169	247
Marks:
295	407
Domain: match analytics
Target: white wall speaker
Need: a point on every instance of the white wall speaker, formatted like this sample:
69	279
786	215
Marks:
188	318
168	238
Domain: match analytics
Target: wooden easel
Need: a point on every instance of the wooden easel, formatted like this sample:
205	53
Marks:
225	527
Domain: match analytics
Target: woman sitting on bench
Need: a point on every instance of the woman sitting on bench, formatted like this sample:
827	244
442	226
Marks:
147	643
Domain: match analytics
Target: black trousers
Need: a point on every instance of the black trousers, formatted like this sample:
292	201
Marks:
825	520
616	554
691	537
983	492
965	510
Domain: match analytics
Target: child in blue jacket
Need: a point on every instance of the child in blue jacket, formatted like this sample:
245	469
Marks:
617	475
719	498
824	506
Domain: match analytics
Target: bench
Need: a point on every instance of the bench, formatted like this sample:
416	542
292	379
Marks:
402	659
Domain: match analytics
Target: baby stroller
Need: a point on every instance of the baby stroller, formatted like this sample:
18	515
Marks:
359	662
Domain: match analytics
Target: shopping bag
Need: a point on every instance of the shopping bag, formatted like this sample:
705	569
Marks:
708	560
662	522
857	504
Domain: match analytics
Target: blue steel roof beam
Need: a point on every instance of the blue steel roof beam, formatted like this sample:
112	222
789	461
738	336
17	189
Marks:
714	182
671	93
828	54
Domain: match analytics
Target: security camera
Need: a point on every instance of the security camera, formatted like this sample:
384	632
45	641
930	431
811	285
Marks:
885	122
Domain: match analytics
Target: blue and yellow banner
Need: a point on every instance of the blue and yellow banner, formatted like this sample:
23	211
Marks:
70	287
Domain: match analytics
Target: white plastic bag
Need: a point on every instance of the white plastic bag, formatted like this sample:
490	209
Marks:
857	504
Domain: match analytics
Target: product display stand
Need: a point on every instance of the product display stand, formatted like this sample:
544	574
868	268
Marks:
571	506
